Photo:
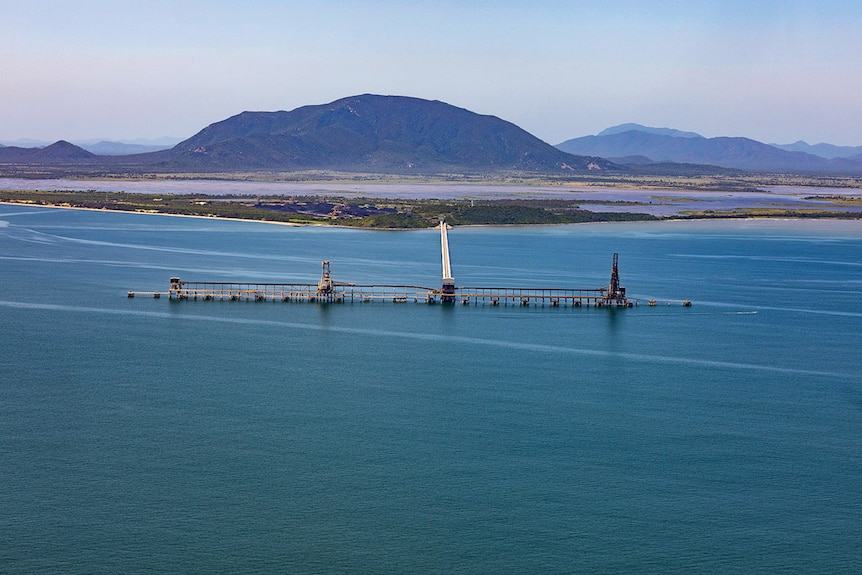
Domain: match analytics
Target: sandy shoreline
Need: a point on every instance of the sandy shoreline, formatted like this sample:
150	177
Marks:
289	224
335	225
156	213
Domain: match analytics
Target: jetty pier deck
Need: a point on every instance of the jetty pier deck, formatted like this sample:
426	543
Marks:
305	292
327	290
300	292
365	293
533	296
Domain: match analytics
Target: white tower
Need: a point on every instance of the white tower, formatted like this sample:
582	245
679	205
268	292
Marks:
448	288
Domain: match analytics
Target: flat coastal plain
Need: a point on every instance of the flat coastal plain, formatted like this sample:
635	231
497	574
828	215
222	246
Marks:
662	198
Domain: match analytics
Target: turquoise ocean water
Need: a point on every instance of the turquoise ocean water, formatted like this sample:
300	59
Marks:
150	436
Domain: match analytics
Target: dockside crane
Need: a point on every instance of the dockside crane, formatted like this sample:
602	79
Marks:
616	293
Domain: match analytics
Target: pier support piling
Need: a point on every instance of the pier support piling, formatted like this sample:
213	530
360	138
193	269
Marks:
328	291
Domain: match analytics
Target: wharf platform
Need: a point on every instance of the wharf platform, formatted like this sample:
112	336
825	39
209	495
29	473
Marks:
358	293
329	291
288	292
395	294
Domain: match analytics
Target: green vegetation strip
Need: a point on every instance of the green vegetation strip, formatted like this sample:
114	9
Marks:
844	200
355	212
771	213
373	212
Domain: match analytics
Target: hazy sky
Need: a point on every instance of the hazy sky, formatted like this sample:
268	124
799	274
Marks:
773	70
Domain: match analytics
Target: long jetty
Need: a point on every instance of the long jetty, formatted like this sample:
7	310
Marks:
329	291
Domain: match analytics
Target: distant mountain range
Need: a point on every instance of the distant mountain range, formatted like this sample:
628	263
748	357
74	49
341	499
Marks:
106	147
636	144
402	135
111	148
660	131
828	151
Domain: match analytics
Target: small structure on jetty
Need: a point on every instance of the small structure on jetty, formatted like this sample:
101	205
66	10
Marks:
329	290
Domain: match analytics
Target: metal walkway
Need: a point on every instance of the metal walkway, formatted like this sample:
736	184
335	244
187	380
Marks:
327	290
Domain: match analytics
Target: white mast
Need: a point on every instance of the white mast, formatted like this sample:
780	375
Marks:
444	245
448	289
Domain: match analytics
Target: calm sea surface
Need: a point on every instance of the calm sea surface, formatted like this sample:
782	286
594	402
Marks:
150	436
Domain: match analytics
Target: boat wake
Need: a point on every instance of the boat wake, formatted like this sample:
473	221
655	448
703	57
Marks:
371	332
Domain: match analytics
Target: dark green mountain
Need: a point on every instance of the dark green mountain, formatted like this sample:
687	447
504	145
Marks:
58	153
371	133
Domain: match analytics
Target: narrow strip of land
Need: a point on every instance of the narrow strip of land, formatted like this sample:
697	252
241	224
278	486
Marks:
388	213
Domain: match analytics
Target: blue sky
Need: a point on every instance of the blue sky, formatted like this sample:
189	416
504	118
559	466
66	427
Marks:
776	71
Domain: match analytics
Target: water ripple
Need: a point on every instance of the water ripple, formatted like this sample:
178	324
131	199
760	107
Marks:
525	346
